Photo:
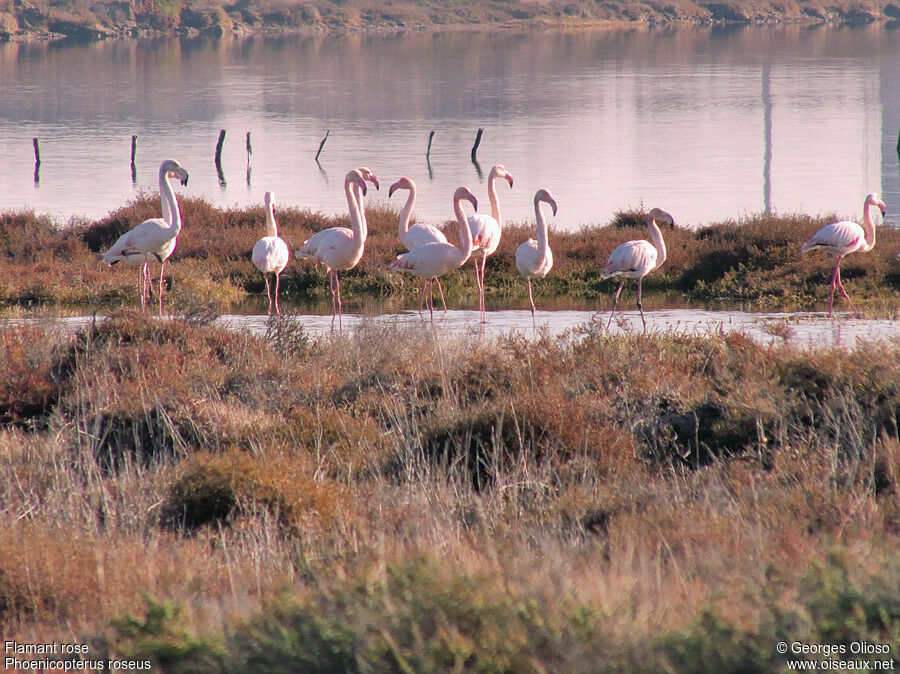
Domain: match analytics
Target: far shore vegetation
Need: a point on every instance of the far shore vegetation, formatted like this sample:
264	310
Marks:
754	262
99	19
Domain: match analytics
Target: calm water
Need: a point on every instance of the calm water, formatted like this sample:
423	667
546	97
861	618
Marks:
803	329
707	123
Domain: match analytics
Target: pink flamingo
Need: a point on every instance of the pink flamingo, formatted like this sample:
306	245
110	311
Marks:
416	235
434	259
154	238
339	248
271	254
845	237
534	257
487	229
636	259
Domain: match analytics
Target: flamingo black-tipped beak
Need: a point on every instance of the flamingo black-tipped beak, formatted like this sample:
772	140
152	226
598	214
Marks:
553	206
374	180
883	210
391	190
184	179
509	179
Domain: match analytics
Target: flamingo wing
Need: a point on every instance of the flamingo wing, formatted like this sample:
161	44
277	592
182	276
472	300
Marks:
486	232
421	235
838	238
632	259
150	237
430	260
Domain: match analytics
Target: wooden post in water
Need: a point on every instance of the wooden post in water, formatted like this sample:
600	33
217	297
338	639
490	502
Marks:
322	144
430	138
133	148
249	152
219	146
477	143
37	151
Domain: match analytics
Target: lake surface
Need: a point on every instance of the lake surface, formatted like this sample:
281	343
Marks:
706	123
802	329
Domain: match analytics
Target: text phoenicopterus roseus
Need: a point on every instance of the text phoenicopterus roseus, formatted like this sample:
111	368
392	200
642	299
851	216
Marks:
487	229
434	259
340	248
845	237
636	259
534	257
270	254
154	238
419	234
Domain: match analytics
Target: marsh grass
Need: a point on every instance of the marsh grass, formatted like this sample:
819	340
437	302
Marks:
390	499
755	261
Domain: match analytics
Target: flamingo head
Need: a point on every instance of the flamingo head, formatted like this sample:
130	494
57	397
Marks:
874	200
547	198
173	169
465	193
356	177
659	215
403	184
500	172
270	201
368	175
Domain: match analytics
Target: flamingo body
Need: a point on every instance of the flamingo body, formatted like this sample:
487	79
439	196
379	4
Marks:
422	235
486	232
270	255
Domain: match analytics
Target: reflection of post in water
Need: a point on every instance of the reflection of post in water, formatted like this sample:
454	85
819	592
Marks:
324	173
767	131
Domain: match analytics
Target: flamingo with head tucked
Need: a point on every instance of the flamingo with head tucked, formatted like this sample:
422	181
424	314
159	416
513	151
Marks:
415	235
270	254
487	229
534	257
340	248
154	238
845	237
430	261
636	259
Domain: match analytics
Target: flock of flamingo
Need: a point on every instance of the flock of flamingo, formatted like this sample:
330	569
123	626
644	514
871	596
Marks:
429	254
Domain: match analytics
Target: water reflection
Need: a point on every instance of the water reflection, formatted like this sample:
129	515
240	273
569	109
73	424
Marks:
710	122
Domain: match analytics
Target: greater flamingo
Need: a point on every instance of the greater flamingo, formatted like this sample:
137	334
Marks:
417	235
154	238
636	259
434	259
487	229
845	237
271	254
534	257
339	248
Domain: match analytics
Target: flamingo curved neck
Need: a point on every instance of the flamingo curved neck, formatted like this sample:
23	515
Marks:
657	240
868	228
172	215
406	213
465	233
492	196
542	232
355	222
271	225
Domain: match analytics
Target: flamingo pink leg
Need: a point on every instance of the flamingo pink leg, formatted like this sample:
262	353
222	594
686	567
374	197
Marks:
639	305
615	300
277	284
844	292
333	303
441	291
337	282
531	299
143	278
424	294
834	277
431	300
268	293
483	263
161	272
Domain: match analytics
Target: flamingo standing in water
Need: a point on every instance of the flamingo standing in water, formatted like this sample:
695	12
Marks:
845	237
534	257
487	229
339	248
636	259
271	254
416	235
154	238
434	259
